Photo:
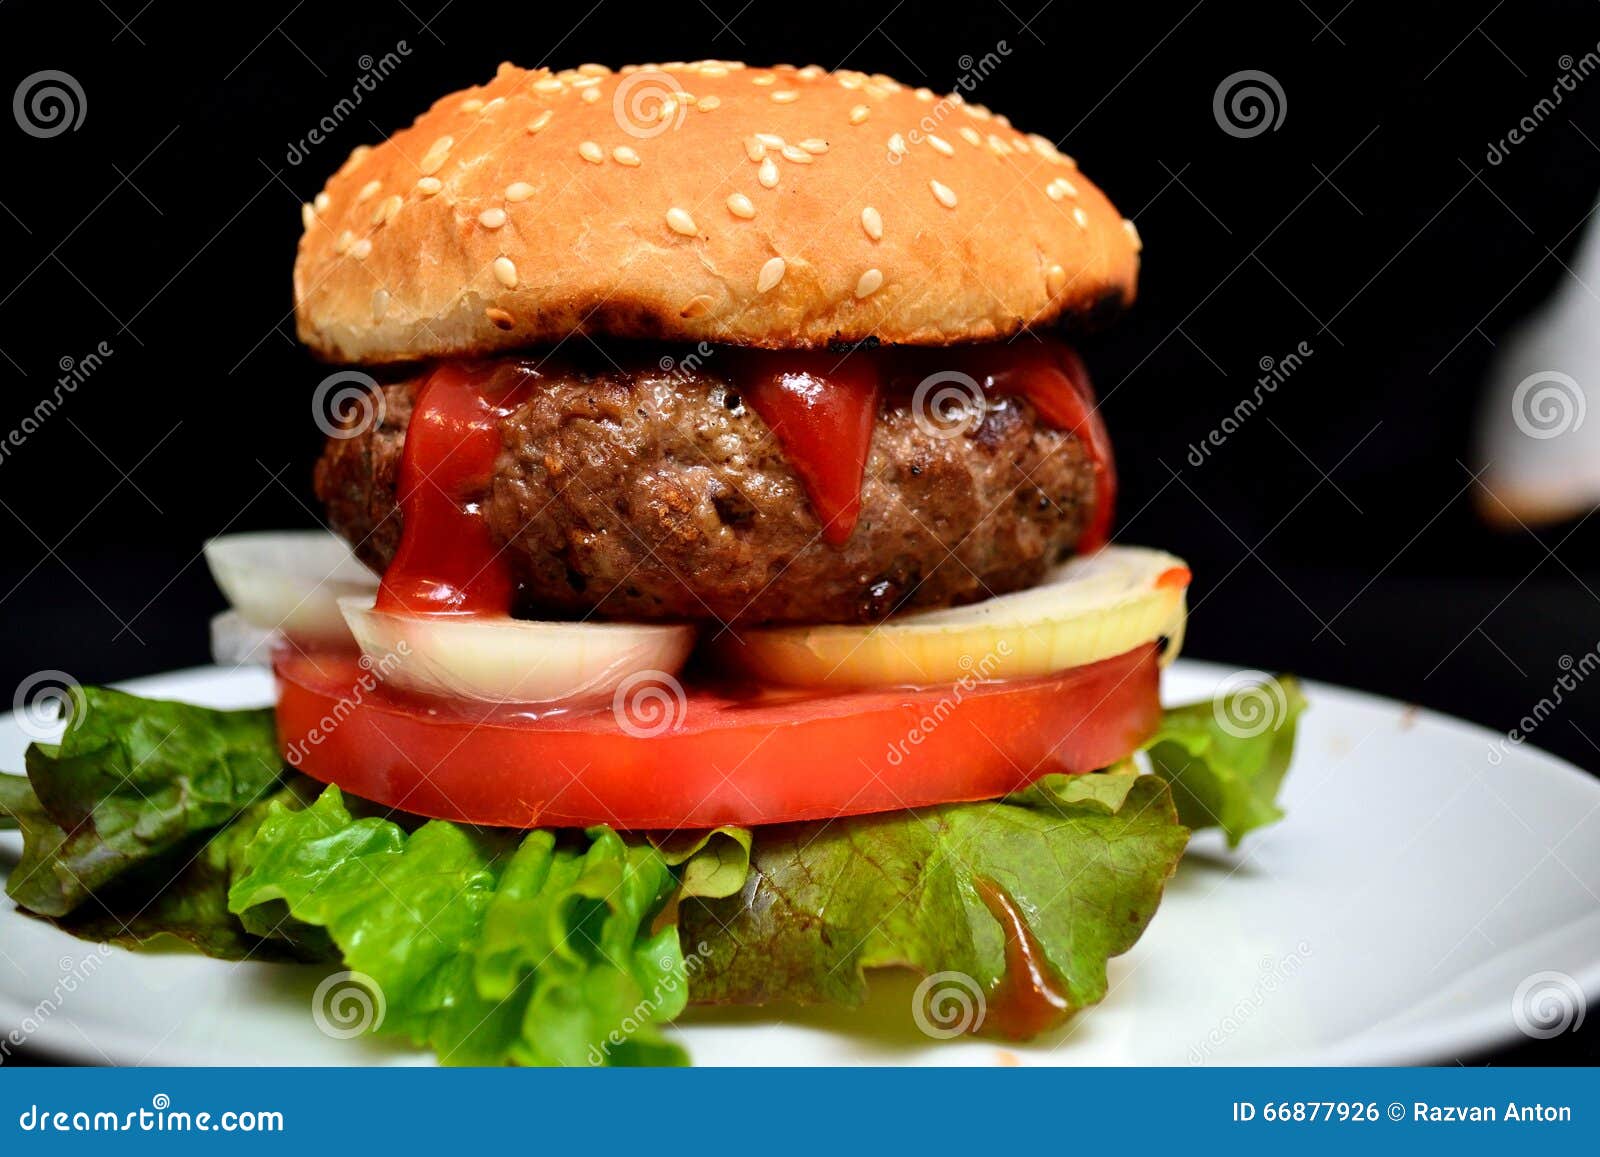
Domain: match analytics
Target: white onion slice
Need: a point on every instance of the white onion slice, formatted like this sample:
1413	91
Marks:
503	660
235	643
289	580
1090	608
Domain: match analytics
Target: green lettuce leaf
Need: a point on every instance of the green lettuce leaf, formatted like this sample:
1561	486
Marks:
1083	864
1225	759
490	947
131	780
181	894
712	863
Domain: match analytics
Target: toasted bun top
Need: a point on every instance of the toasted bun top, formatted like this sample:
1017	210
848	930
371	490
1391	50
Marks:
715	202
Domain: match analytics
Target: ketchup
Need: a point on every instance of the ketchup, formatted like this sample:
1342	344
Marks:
1030	997
447	561
820	406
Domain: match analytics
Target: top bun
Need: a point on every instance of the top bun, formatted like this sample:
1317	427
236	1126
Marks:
772	207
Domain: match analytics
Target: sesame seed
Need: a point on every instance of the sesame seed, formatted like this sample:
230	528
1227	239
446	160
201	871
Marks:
518	191
623	155
321	202
361	248
590	95
505	272
592	153
470	106
897	145
1054	191
924	95
771	140
680	222
433	160
713	70
815	145
998	145
796	154
707	103
852	81
492	218
697	305
1021	145
548	84
342	243
541	120
872	222
763	79
754	149
308	216
869	283
1080	216
860	113
1132	231
593	70
970	135
1055	280
428	186
387	208
785	96
943	194
380	304
767	174
499	318
667	110
741	206
1066	186
940	145
368	190
771	274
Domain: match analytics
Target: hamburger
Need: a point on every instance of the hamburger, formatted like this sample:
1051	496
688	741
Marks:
743	612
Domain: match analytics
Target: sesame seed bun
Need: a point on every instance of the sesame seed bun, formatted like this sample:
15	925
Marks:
716	202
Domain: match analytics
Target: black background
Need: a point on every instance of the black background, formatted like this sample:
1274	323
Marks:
1333	535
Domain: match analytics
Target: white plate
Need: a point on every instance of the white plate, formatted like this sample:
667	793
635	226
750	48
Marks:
1415	888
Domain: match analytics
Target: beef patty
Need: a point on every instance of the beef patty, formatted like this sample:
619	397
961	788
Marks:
649	494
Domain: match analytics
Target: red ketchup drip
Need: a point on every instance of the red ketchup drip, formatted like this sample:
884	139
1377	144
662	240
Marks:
1030	997
820	407
1052	378
447	561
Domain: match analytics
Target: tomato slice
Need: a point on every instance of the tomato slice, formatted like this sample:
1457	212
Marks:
664	757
